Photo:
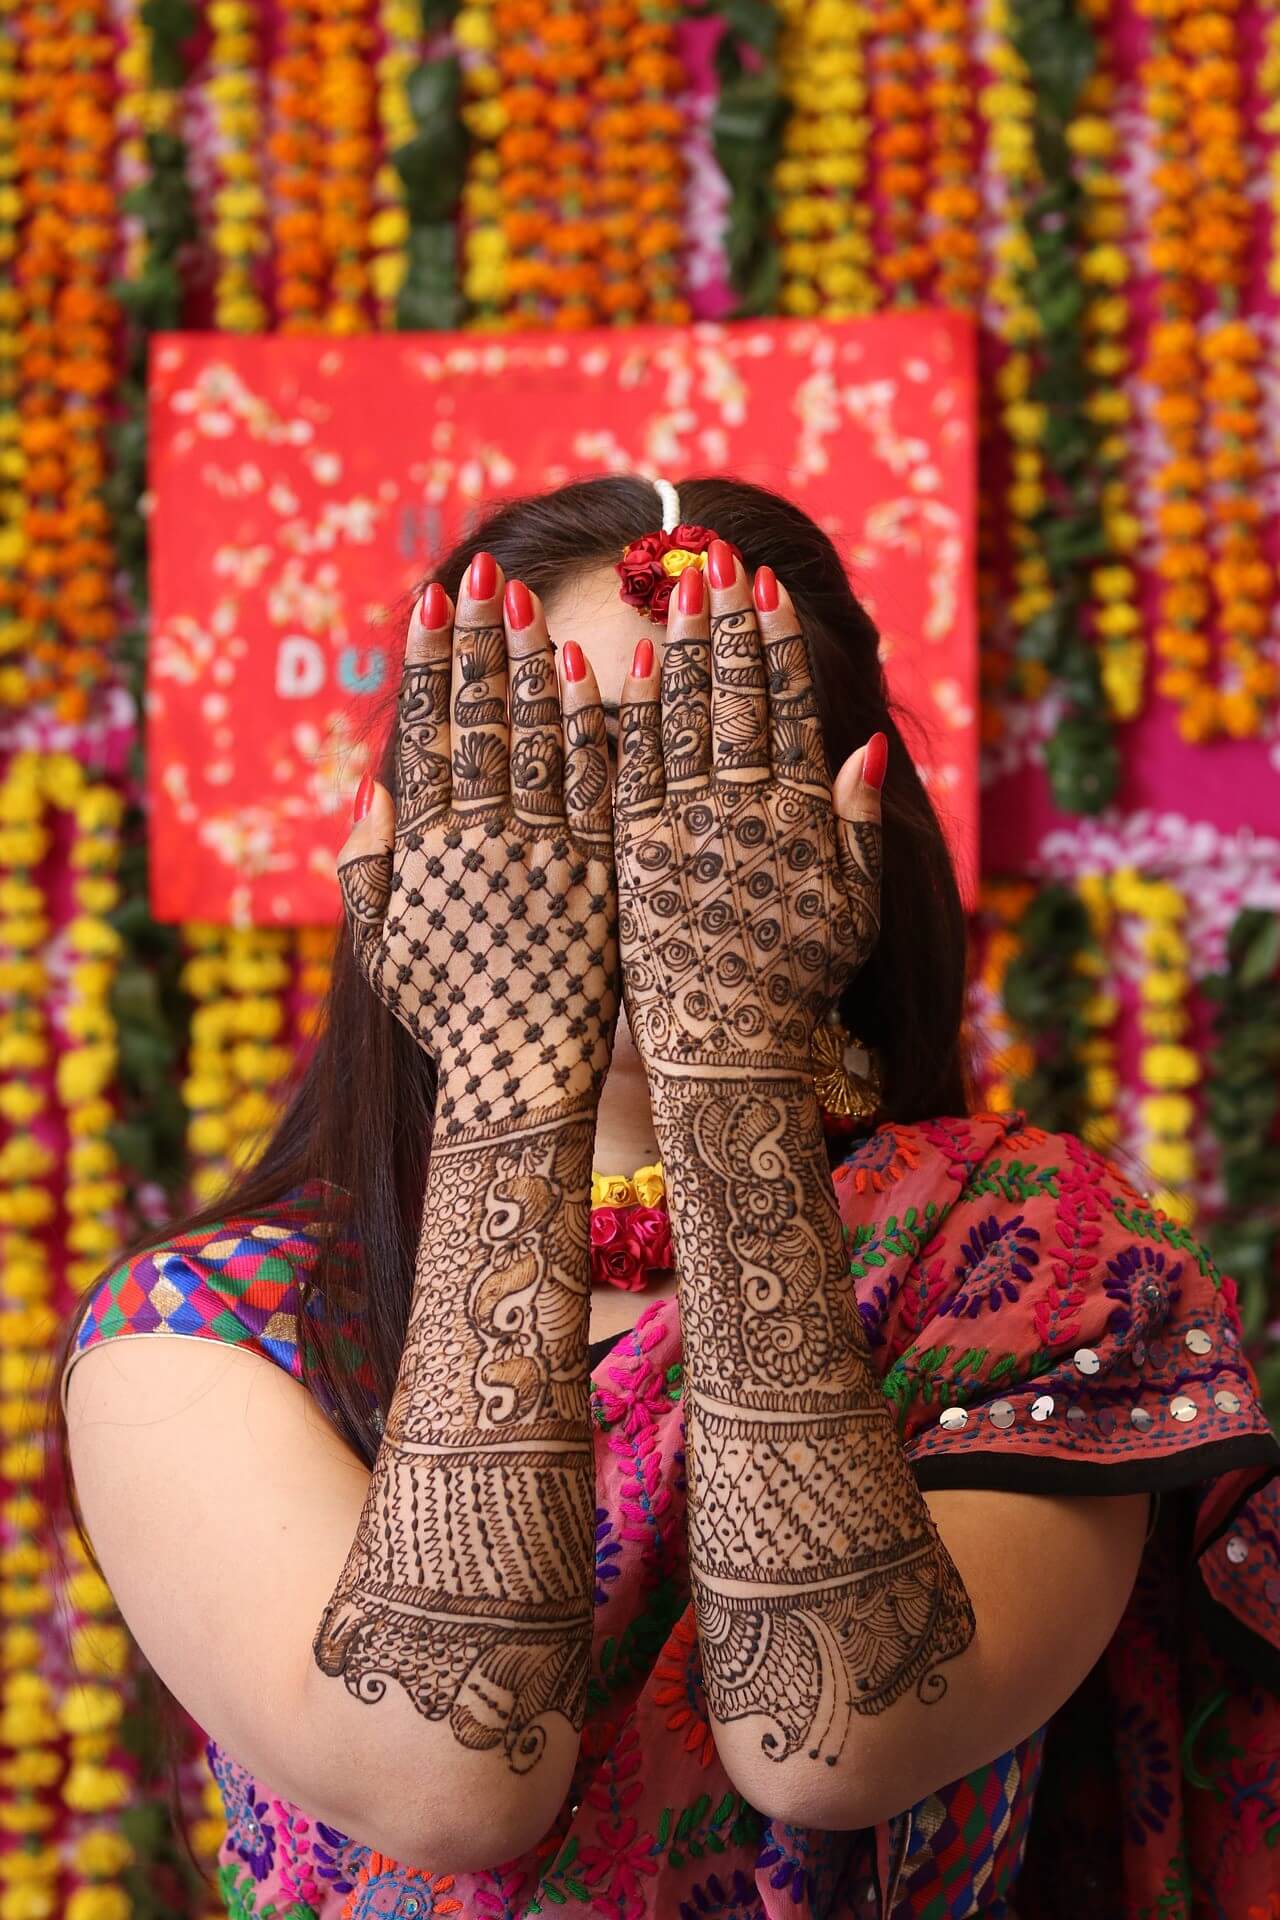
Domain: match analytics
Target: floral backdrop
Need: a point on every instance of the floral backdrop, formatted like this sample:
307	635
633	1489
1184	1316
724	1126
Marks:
1094	183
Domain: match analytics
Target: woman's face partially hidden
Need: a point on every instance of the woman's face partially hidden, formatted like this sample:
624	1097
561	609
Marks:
587	608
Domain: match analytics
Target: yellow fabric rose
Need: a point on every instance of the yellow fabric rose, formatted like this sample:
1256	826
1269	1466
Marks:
649	1184
611	1190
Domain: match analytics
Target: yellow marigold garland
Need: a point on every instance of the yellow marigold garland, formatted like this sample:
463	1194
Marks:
314	952
824	212
1101	1128
32	1766
1008	109
234	91
1105	268
1169	1068
484	245
257	976
400	22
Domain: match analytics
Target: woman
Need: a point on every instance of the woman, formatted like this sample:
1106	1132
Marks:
923	1498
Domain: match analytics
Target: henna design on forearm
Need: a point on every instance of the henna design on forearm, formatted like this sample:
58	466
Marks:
821	1587
469	1581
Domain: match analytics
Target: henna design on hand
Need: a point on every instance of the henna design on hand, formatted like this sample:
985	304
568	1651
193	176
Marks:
481	660
640	783
469	1581
821	1587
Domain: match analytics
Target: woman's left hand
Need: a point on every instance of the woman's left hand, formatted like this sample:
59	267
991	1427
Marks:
749	888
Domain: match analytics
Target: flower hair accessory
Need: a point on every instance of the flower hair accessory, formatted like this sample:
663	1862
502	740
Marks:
651	565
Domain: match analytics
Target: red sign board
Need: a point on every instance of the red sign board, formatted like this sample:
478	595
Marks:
301	488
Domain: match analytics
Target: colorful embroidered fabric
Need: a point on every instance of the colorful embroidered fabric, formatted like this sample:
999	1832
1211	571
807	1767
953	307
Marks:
1037	1328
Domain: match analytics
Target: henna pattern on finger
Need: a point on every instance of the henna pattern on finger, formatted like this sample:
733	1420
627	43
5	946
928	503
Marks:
739	713
423	770
537	767
821	1588
535	697
641	784
469	1582
586	782
363	880
481	654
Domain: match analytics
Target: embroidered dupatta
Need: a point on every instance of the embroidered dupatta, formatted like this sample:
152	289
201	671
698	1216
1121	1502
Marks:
1037	1328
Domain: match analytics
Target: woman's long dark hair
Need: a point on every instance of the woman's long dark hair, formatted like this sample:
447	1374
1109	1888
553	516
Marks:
359	1116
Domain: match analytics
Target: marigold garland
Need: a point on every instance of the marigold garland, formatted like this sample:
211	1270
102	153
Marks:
345	40
824	212
1101	1125
899	101
953	203
1169	1068
234	91
1230	352
294	149
1093	137
28	1725
15	631
400	24
1009	1056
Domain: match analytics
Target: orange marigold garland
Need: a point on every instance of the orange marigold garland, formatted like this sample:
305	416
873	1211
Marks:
899	152
14	630
294	147
345	38
1207	36
953	203
86	318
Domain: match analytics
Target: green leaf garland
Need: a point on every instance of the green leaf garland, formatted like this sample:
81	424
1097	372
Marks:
746	135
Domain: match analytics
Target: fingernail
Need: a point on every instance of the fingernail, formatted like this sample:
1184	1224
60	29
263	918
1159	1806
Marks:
642	665
364	798
720	564
519	605
875	761
689	590
435	607
574	664
766	589
484	577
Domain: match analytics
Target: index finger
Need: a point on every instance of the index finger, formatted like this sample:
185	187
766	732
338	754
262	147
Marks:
422	723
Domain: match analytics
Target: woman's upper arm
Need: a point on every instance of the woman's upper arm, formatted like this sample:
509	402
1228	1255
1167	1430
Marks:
222	1506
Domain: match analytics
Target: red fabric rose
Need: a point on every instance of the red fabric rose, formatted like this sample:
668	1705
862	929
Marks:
617	1266
649	1229
606	1226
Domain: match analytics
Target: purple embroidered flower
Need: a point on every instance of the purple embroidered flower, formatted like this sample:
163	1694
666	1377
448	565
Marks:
336	1859
607	1551
713	1900
1134	1270
1147	1765
995	1263
250	1836
789	1875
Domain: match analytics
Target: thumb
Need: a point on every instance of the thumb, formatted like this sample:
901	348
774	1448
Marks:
364	866
856	799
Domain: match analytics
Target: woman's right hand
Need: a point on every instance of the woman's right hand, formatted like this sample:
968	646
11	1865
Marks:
482	901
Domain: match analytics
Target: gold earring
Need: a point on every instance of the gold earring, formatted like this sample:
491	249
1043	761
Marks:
846	1075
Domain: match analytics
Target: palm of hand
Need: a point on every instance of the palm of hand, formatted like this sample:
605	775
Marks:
746	902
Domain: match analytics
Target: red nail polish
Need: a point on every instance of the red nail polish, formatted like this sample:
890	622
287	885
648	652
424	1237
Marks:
875	761
720	564
364	798
574	664
689	590
519	605
766	590
435	607
642	665
484	577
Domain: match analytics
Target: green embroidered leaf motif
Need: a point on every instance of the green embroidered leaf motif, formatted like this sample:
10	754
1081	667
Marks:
664	1826
725	1808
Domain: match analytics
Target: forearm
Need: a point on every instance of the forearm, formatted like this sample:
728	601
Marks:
468	1584
822	1592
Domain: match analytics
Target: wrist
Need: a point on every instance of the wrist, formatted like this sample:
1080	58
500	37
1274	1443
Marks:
468	1108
